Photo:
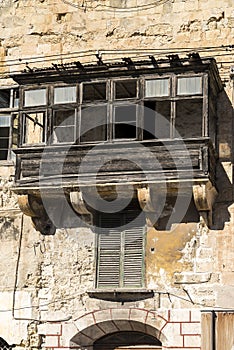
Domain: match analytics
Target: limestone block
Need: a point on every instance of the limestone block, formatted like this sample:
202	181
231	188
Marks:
172	332
69	330
120	314
85	321
195	315
102	315
191	328
192	340
177	315
51	341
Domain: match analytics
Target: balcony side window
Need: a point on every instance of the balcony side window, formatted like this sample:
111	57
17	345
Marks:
9	98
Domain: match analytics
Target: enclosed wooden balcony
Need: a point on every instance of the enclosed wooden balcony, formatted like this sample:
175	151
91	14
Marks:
146	125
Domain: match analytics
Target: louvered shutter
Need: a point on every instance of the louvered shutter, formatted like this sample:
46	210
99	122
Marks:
109	249
133	264
120	253
133	257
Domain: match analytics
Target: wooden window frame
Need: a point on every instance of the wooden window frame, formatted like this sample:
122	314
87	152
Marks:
111	102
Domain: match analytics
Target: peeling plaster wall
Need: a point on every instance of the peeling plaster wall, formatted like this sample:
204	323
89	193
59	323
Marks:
188	267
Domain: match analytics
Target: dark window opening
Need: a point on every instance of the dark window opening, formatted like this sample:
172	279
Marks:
157	116
127	340
94	92
4	142
189	118
125	122
5	97
126	89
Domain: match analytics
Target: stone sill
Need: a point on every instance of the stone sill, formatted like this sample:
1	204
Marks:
121	294
192	277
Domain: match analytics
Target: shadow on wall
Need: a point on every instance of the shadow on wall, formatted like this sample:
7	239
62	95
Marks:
224	169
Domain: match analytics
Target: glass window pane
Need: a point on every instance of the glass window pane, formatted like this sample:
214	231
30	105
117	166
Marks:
34	127
125	89
189	118
93	124
64	126
189	86
35	97
66	94
157	87
125	113
94	92
5	120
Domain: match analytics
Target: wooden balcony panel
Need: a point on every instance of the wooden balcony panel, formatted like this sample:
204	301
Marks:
119	162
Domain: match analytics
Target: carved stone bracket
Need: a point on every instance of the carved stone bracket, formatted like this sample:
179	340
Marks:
145	199
147	202
204	195
33	207
79	205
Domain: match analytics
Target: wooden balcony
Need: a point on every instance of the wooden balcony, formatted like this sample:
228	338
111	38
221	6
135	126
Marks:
153	161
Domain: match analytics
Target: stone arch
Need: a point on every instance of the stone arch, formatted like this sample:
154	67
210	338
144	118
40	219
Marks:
97	324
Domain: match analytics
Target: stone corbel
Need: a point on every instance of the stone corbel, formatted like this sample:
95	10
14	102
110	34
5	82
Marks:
33	207
79	205
204	195
147	203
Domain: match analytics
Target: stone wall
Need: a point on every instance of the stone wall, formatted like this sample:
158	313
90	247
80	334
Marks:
188	268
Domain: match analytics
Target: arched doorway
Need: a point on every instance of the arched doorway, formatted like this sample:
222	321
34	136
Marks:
128	340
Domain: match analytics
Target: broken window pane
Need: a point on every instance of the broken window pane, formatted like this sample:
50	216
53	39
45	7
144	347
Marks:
34	127
126	89
5	124
189	86
35	97
93	124
157	116
65	94
94	92
189	118
64	126
125	122
157	87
